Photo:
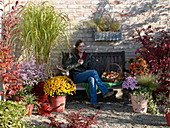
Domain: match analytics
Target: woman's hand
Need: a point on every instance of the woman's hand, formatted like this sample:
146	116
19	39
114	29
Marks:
80	61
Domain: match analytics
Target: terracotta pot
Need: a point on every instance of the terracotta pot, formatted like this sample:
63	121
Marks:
30	108
140	107
168	118
56	102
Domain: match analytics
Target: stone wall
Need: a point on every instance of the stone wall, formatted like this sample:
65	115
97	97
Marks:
133	14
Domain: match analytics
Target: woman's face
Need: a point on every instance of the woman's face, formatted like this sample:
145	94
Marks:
81	47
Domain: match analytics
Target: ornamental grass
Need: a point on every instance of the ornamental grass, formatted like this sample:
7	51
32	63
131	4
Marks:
59	86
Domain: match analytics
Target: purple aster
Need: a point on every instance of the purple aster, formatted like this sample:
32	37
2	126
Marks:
130	83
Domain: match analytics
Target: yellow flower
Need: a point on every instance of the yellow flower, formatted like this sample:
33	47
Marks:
59	85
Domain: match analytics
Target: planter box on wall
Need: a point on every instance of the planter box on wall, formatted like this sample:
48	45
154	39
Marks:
107	36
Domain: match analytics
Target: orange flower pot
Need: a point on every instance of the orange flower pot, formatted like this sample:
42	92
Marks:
56	102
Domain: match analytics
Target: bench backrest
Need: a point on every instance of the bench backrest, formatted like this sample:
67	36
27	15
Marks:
102	60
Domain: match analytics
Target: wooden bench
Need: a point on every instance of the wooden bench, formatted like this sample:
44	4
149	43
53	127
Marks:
102	59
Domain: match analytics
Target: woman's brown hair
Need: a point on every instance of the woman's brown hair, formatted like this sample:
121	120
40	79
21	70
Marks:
78	42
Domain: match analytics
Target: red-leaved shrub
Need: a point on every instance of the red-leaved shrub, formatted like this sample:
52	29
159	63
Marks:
155	49
9	76
74	120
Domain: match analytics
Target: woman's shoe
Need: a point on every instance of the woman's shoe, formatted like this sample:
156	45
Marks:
95	106
108	94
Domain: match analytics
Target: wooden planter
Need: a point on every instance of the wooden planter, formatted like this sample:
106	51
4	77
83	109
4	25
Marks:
107	36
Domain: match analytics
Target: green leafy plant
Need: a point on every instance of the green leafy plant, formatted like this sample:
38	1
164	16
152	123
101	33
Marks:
11	114
102	24
43	30
29	99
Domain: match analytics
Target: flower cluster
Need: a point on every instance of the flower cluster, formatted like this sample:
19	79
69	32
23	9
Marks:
59	85
138	66
130	83
32	73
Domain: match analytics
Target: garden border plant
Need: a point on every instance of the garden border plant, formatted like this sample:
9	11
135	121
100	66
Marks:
11	117
10	80
75	120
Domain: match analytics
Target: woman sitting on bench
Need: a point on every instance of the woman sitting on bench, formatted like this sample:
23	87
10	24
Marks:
79	65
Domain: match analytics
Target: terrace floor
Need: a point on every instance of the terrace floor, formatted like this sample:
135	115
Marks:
116	113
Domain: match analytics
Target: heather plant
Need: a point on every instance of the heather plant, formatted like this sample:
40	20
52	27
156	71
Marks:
155	50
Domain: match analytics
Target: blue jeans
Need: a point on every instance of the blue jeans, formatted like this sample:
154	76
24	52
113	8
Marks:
93	78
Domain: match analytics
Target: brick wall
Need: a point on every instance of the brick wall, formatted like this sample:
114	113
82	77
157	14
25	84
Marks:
132	14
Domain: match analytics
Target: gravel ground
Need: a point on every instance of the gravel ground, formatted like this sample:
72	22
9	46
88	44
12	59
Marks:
114	113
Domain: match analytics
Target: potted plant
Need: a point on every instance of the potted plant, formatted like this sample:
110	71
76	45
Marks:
163	99
30	101
43	30
141	88
106	28
138	66
58	88
31	74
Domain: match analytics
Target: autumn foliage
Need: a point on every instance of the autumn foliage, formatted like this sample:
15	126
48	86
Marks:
155	50
9	76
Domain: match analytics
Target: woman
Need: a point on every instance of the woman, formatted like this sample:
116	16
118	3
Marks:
79	65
